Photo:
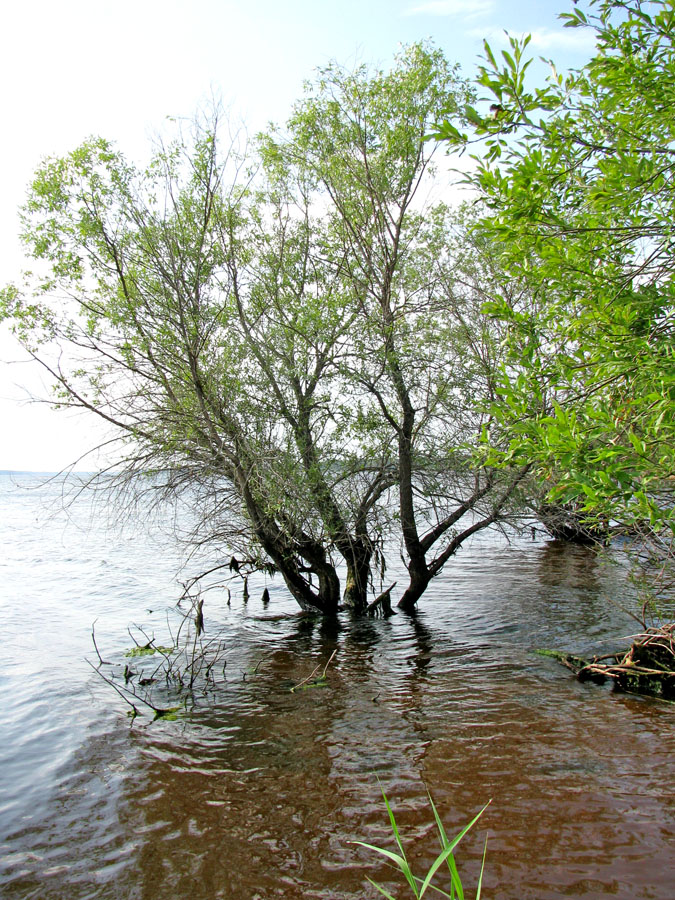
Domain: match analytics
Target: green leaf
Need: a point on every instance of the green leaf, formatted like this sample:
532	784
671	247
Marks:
446	852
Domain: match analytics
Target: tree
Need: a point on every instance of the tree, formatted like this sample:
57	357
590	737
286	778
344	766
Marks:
576	178
278	329
422	360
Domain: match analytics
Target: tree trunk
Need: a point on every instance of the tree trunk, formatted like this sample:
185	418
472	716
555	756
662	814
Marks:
356	587
329	591
325	600
417	586
287	553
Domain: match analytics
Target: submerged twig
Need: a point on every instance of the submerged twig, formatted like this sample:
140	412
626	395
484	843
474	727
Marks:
318	680
101	661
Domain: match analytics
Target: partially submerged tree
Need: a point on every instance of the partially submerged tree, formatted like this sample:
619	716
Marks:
281	327
422	359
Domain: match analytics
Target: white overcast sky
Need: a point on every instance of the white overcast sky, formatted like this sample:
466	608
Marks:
73	68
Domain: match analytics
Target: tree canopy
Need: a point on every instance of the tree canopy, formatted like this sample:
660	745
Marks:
576	179
280	329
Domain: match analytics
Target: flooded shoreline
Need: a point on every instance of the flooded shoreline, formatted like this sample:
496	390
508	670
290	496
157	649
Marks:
257	791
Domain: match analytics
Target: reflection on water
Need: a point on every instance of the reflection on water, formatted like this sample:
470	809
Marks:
258	793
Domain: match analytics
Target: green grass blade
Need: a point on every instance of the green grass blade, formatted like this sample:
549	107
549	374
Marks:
392	820
381	889
453	843
394	857
433	887
482	868
434	867
455	880
441	830
403	865
418	886
442	857
398	860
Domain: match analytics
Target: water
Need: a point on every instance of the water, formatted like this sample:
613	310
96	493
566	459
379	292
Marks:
258	791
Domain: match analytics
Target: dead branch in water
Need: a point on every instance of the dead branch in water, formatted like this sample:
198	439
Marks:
311	679
647	667
382	605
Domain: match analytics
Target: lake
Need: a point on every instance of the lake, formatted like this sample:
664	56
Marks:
256	791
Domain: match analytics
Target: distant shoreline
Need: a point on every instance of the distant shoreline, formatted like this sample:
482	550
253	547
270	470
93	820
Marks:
46	472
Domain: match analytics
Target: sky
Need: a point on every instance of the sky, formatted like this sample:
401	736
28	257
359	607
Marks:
119	68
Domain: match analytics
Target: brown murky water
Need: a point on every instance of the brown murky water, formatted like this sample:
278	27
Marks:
258	792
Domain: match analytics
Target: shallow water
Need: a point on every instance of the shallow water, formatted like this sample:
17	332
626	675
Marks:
257	792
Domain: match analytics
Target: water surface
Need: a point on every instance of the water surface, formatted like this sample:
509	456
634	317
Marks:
257	791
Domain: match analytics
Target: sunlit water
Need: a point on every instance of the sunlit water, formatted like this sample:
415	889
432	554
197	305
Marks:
256	792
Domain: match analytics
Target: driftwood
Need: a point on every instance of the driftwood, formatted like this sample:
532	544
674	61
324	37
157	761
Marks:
382	605
647	667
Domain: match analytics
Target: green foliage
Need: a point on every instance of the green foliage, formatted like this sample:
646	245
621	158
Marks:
148	650
576	177
319	682
419	886
169	715
278	331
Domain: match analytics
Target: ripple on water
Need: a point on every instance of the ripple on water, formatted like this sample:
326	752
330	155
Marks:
258	792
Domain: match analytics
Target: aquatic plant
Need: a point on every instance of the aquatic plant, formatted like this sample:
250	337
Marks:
314	680
419	886
148	649
186	667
